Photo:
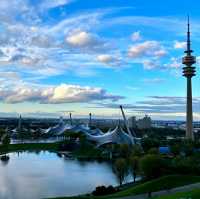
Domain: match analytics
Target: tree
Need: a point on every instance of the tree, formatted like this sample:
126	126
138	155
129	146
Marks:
151	166
175	149
2	132
136	151
124	151
121	169
148	143
5	140
188	147
153	151
82	141
134	166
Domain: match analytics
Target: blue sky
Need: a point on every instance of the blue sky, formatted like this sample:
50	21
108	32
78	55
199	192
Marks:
58	56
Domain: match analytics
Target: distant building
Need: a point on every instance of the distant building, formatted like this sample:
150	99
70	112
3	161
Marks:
132	123
144	123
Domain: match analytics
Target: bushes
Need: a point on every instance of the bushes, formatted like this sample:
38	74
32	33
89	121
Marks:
102	190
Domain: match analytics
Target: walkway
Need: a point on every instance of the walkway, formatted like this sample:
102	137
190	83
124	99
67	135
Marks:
171	191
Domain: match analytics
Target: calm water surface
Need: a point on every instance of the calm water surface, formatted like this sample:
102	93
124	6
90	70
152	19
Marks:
33	176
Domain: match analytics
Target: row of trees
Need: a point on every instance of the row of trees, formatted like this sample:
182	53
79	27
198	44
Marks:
184	157
135	162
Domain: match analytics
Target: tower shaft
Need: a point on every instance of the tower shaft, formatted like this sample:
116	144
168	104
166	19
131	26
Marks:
189	116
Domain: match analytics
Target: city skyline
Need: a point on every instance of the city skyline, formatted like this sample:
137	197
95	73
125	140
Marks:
68	56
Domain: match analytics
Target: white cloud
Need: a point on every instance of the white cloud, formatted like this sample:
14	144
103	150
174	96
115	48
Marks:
153	80
49	4
147	48
136	36
86	41
179	45
9	75
175	63
63	93
104	58
160	53
150	64
81	39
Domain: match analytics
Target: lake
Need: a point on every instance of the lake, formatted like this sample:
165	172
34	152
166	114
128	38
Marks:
30	175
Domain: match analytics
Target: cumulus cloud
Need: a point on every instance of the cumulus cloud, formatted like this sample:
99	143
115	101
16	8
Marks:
180	45
136	36
160	53
104	58
63	93
150	64
147	48
84	39
80	39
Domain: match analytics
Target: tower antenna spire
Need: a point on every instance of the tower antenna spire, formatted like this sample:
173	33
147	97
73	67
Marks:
188	51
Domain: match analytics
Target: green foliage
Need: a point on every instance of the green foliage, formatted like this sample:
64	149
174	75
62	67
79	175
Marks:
154	151
187	164
188	147
2	132
175	149
124	150
88	151
148	143
5	140
121	169
136	150
151	166
134	166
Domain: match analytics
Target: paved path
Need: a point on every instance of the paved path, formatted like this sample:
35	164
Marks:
171	191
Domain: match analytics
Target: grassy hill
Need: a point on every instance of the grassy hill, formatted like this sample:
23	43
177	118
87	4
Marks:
194	194
166	182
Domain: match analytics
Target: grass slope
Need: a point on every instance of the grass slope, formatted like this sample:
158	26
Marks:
194	194
166	182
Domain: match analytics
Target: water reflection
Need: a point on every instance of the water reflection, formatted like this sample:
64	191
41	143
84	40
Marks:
31	175
4	159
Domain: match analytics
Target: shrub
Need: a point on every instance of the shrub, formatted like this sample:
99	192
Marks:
102	190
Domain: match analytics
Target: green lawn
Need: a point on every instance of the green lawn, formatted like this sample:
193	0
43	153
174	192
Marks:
194	194
162	183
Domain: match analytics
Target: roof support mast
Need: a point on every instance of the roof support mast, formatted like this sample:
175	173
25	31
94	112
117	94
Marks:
126	123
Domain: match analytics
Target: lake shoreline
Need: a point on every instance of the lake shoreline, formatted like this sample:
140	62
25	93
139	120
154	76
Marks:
52	147
45	169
